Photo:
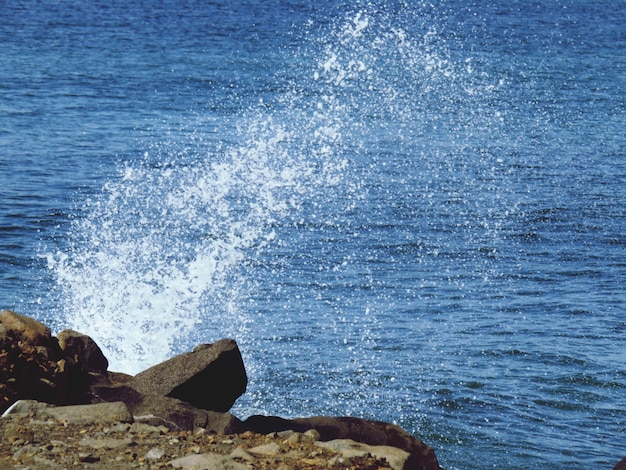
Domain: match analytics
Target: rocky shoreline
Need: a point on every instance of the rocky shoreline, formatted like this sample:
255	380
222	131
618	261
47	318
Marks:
31	439
62	408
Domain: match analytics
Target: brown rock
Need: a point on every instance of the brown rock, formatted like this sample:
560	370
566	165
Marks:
621	465
398	459
16	327
83	350
211	377
224	423
31	362
375	433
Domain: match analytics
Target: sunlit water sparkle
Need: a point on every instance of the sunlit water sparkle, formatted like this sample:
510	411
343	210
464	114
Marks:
412	214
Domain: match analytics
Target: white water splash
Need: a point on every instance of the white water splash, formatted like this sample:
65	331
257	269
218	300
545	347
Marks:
158	262
160	252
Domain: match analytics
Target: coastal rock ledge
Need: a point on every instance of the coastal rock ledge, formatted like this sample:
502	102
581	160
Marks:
62	408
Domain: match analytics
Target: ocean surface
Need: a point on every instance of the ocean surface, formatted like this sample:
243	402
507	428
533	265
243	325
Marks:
406	211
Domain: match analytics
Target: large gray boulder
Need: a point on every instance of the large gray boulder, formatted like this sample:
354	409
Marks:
211	377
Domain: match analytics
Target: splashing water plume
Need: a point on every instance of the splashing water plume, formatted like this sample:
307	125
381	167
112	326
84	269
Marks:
157	256
159	260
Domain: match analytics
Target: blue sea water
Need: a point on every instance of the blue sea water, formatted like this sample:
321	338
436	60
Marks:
405	211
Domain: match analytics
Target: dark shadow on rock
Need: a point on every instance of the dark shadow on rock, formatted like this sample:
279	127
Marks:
211	377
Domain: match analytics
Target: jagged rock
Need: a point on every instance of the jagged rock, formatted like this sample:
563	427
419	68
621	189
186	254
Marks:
35	365
83	350
398	459
211	377
375	433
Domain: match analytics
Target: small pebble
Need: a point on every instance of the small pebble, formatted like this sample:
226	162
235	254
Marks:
155	453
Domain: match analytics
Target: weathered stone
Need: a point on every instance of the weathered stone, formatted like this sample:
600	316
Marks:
266	449
143	428
26	374
207	462
376	433
83	350
398	459
294	438
183	415
224	423
82	414
241	454
156	421
104	442
170	412
41	462
312	435
32	365
16	327
211	377
118	377
25	407
97	413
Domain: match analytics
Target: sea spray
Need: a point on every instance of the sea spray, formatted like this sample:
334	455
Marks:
156	261
167	255
417	128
